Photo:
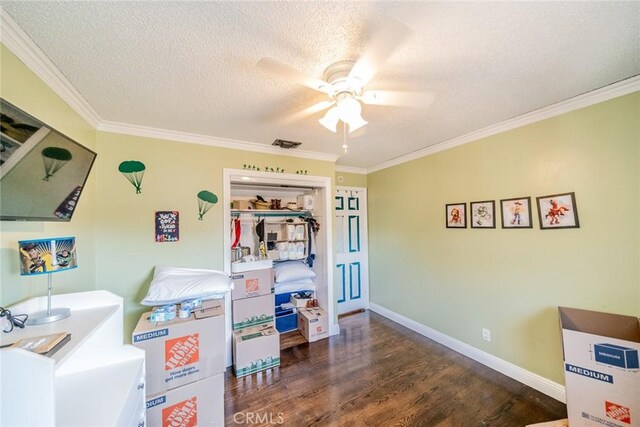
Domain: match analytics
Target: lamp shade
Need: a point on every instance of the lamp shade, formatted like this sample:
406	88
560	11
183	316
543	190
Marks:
349	109
357	123
330	120
44	256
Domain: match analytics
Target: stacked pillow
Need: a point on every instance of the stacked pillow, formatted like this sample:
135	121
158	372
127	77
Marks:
172	285
292	276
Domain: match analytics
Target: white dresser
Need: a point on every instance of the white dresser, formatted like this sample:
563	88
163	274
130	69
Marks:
93	380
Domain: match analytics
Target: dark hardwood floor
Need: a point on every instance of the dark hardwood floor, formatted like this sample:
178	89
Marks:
378	373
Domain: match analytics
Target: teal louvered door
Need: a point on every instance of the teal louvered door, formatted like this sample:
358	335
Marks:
352	269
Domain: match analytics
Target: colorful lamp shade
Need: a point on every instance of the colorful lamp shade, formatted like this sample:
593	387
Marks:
47	256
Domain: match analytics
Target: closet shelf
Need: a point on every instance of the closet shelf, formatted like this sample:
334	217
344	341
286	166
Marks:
269	212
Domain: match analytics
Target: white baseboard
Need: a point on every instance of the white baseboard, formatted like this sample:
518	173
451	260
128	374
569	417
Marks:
535	381
335	329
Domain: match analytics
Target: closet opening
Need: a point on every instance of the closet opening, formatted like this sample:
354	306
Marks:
285	208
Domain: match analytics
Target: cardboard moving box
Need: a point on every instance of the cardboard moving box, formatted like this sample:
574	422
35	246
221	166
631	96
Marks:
255	349
196	404
241	204
602	377
181	351
298	299
254	311
313	323
252	283
559	423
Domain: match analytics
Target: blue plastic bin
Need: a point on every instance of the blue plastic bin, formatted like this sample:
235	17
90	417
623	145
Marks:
286	320
282	298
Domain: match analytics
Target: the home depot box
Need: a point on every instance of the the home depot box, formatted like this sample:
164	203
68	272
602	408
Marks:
313	323
252	283
255	349
602	375
254	311
181	351
196	404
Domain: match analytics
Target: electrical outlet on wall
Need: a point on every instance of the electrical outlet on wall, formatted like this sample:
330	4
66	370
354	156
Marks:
486	334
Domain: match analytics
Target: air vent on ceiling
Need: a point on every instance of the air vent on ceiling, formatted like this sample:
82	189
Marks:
286	144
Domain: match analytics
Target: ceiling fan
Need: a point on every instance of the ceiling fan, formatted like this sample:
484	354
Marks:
344	81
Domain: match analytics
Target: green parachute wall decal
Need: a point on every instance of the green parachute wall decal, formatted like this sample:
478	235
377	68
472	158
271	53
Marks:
54	158
133	170
206	200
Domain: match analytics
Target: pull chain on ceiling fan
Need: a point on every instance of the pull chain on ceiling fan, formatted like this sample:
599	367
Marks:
345	147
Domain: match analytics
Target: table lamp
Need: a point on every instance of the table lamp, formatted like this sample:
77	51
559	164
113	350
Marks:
47	256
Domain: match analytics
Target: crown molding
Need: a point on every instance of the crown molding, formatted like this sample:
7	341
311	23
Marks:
192	138
597	96
14	38
351	169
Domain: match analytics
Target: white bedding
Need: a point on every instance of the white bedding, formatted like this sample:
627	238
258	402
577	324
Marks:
172	285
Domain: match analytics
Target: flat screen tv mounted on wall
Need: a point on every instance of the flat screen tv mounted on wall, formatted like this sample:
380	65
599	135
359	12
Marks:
42	172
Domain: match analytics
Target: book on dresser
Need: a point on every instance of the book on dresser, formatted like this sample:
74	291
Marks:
45	345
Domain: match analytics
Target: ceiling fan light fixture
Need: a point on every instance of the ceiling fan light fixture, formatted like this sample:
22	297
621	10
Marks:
330	120
347	88
349	109
357	123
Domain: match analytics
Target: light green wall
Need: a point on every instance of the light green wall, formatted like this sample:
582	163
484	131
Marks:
113	226
351	179
175	173
22	88
511	281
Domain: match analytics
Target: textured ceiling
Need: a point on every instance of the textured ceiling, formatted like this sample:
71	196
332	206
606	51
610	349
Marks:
191	66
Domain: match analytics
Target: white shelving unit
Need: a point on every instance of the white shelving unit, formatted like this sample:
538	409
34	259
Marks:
93	380
279	233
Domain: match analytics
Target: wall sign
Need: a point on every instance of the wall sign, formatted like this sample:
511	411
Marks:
167	226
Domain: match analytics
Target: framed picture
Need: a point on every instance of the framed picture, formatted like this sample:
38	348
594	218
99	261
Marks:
483	214
456	215
558	211
516	212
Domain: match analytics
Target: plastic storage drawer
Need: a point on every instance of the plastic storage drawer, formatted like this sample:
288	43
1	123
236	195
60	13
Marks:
286	320
282	298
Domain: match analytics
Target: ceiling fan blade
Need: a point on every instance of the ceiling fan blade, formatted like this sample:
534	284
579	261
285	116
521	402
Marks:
287	72
398	98
379	49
